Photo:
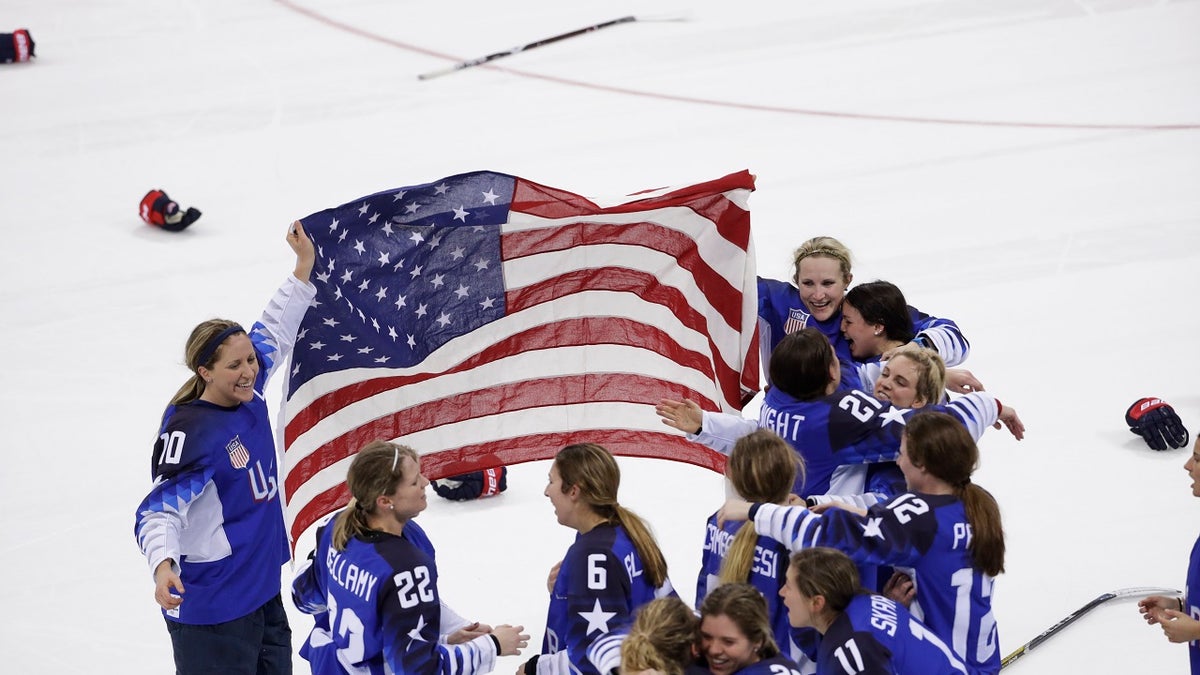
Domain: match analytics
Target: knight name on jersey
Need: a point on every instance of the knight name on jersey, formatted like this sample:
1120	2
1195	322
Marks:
350	576
785	424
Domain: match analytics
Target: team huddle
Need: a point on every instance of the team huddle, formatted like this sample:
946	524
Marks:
857	542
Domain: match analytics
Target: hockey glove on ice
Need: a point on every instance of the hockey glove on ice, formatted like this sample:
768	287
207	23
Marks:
161	211
1156	422
16	47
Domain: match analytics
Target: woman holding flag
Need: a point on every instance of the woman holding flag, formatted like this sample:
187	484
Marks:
212	526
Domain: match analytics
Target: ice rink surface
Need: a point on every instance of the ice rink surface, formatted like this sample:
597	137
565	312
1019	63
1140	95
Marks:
1029	168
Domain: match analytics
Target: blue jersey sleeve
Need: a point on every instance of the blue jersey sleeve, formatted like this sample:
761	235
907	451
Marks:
941	335
897	533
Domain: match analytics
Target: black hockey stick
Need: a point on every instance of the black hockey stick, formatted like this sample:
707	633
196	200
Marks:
1070	618
539	43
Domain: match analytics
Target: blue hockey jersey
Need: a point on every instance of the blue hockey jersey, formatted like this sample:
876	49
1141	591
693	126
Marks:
843	429
378	609
781	311
768	573
215	507
600	583
876	636
929	533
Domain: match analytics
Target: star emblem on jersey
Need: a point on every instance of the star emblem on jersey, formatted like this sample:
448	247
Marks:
871	528
415	634
893	415
597	618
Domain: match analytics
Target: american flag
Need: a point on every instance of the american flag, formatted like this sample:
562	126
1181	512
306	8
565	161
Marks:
484	319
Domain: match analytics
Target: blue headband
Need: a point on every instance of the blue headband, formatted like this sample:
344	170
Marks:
210	347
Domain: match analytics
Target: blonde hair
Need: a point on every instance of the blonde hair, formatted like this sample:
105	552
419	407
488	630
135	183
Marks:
195	349
823	247
762	468
594	470
931	374
377	470
661	638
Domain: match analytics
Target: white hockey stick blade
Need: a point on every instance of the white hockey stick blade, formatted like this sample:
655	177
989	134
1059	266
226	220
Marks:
1134	592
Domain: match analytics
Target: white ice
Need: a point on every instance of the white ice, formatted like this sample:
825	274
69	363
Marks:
1067	254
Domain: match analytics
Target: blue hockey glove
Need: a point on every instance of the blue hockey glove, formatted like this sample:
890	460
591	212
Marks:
1156	422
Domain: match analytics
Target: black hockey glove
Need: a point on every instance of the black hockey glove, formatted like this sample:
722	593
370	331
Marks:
159	210
1156	422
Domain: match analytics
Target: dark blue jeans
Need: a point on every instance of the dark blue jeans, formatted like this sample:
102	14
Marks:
259	643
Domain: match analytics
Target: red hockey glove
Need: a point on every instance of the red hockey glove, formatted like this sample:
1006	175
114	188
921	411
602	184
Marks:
1156	422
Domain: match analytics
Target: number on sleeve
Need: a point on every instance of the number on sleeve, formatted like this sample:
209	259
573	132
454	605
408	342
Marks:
172	447
412	587
853	404
908	505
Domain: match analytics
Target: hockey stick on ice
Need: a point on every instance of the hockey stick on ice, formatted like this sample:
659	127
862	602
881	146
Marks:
1070	618
539	43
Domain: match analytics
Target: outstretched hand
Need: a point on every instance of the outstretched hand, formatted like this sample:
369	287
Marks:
1009	418
512	639
962	381
1150	607
684	415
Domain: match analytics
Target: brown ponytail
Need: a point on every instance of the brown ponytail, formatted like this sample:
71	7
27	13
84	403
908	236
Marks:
941	445
594	470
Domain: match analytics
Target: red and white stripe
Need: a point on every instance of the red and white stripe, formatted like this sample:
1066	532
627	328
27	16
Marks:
608	310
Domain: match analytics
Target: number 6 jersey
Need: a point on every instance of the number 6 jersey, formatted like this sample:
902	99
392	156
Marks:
600	584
